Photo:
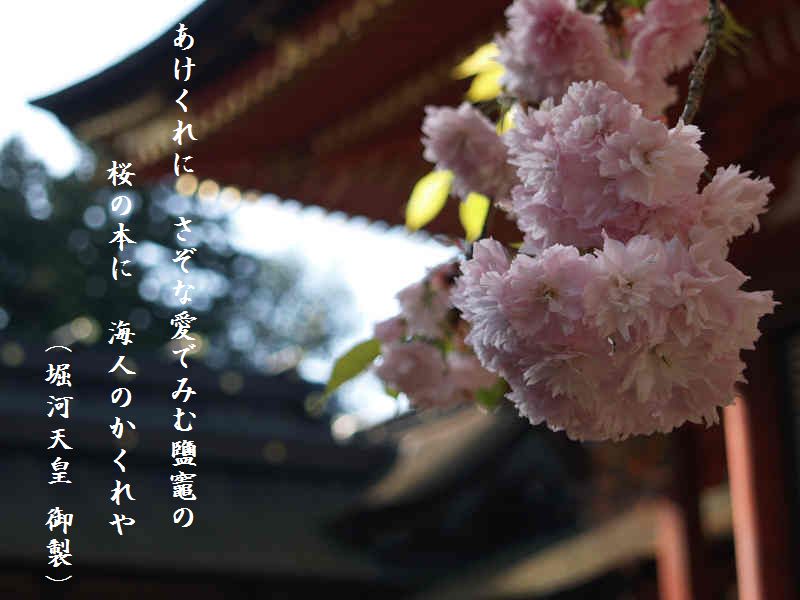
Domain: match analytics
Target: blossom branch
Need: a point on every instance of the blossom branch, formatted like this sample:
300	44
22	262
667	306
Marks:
716	21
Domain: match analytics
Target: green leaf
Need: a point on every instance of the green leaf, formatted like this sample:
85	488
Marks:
472	213
352	363
428	198
490	398
390	391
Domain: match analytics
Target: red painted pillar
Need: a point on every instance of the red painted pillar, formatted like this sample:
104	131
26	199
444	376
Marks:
680	548
758	474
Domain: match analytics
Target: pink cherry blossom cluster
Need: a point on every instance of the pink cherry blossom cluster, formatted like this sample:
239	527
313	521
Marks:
630	339
551	44
595	163
621	314
423	354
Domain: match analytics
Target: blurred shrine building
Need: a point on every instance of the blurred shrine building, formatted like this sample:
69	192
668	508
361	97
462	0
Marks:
322	102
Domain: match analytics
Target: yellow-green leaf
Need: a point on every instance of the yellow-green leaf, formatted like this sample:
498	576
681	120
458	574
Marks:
472	213
486	85
506	122
428	198
490	398
733	37
637	4
479	61
352	363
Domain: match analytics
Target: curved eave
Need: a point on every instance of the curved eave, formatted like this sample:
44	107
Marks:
225	31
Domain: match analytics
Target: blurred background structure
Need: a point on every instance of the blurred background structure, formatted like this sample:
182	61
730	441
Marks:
322	102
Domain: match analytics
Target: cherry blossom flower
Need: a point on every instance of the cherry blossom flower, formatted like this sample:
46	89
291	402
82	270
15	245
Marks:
551	44
463	141
423	354
733	200
595	162
662	40
667	35
425	305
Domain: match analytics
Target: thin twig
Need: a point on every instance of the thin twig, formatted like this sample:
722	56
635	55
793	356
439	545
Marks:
716	20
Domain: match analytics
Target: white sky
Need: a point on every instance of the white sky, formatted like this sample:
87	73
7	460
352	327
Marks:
47	46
